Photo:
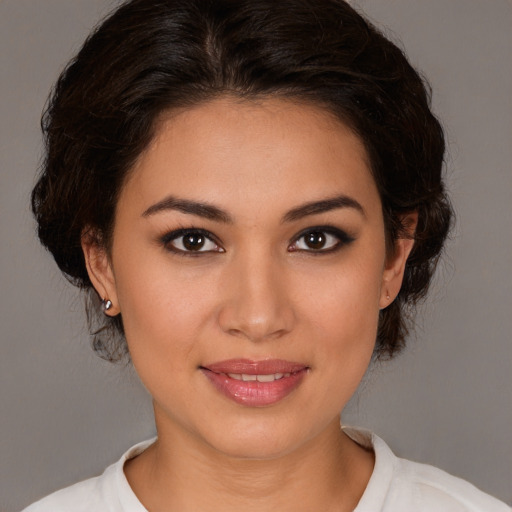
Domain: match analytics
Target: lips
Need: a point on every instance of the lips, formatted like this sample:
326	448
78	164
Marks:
255	383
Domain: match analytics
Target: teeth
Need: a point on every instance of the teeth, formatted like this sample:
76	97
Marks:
266	378
260	378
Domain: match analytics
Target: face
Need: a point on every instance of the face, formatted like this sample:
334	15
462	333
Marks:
248	262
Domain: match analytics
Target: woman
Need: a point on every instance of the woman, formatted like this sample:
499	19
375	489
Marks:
254	192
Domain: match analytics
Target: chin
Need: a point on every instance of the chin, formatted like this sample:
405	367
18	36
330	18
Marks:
249	448
257	440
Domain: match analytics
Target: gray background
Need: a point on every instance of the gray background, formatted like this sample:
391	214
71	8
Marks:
65	415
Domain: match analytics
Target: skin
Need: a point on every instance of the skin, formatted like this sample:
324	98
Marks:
257	292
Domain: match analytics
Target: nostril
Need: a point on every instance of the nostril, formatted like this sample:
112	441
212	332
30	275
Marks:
253	334
256	309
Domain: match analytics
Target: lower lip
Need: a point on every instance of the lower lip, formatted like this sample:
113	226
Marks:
254	393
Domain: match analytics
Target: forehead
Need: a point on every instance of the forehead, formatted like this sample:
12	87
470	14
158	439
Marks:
239	153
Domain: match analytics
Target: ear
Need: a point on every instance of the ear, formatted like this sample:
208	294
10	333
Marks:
394	269
99	268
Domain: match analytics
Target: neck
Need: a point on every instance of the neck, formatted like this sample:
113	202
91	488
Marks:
330	472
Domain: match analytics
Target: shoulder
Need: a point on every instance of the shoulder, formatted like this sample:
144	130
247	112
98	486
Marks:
81	497
428	488
400	485
109	492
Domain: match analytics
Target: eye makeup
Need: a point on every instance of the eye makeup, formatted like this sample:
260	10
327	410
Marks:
318	240
191	242
315	240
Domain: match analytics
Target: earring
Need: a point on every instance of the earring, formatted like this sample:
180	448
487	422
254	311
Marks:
106	304
387	296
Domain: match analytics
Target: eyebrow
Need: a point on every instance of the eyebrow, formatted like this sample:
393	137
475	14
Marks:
207	211
210	212
323	206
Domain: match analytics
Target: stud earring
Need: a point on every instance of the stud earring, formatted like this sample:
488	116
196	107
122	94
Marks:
106	304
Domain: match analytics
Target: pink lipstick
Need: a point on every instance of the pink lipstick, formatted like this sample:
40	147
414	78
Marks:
255	383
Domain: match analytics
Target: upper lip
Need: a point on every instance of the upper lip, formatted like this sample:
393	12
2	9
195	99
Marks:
249	367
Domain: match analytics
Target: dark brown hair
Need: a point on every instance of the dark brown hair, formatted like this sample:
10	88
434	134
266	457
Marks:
150	56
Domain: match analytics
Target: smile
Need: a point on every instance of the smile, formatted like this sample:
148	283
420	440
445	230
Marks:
260	378
255	383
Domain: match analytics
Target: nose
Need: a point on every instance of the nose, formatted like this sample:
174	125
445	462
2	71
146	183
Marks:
256	304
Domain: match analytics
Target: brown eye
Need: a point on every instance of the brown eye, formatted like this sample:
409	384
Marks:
193	242
315	240
321	240
187	241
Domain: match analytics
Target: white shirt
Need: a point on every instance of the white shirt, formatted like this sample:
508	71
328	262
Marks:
396	485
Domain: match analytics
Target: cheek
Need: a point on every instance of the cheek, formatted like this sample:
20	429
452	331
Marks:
346	326
164	315
342	309
345	298
163	306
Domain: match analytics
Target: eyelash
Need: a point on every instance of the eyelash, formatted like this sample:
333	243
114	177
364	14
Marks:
172	236
343	239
